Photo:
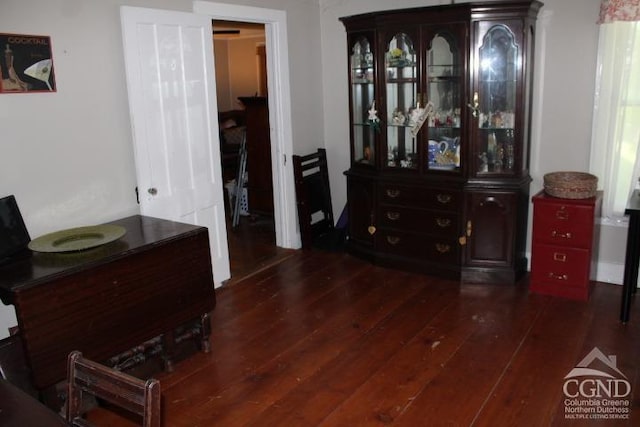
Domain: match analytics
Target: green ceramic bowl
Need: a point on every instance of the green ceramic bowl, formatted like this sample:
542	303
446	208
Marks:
77	239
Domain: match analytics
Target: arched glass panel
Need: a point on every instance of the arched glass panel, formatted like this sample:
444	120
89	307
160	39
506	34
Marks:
444	85
401	91
362	98
498	78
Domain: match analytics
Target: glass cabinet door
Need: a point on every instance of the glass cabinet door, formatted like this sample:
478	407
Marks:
444	87
361	64
494	103
401	97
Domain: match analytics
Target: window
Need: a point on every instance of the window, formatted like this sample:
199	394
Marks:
615	144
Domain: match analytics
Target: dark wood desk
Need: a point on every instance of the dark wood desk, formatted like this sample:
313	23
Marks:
107	300
632	257
18	409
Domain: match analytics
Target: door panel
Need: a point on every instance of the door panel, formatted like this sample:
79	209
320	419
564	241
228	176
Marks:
172	99
490	241
361	211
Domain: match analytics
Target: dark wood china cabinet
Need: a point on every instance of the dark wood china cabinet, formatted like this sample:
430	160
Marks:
439	127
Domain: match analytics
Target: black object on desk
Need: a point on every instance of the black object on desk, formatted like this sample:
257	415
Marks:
632	257
14	236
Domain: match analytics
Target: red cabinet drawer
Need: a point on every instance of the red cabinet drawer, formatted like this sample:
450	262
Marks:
559	265
564	246
561	224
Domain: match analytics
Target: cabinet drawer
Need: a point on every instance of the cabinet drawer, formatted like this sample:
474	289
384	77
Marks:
560	266
434	223
416	245
443	199
565	213
563	224
563	234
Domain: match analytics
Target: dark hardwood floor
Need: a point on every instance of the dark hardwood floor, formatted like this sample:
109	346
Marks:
252	247
323	339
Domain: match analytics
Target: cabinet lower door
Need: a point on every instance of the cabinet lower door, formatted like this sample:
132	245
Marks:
362	228
490	236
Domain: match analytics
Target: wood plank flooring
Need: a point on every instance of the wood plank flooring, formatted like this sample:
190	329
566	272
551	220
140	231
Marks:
252	246
325	339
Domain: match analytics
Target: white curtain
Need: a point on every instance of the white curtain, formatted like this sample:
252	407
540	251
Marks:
615	154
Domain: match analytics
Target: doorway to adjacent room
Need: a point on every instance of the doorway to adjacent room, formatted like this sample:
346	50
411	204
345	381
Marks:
242	93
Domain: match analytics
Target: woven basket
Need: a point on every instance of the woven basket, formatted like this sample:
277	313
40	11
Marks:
570	185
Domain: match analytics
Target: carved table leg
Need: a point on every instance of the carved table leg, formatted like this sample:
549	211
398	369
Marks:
168	350
205	331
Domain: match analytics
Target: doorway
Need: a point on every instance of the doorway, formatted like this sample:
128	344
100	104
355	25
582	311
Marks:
145	55
275	26
242	94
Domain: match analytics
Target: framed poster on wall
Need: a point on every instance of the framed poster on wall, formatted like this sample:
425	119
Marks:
26	64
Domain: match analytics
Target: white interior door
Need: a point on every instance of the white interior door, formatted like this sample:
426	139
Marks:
172	99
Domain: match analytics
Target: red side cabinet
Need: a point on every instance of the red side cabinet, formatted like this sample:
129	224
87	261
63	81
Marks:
564	247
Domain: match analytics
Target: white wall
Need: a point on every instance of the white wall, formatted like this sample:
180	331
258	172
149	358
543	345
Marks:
237	73
223	87
567	42
243	62
68	156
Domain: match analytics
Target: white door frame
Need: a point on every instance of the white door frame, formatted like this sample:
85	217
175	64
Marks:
279	100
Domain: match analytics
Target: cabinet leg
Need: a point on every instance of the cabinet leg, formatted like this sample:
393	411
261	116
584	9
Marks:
168	350
205	331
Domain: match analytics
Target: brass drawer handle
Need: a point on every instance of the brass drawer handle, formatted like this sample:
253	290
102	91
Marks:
562	214
443	222
393	216
559	257
393	193
393	240
442	248
558	276
444	198
554	233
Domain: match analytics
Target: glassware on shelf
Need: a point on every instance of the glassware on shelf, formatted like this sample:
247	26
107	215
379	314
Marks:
444	83
492	148
499	151
398	118
496	99
362	97
401	92
444	154
509	157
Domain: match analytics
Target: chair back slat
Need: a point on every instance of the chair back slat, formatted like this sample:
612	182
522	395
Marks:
118	388
313	196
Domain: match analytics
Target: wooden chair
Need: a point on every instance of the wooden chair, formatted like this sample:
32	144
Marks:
313	196
122	390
